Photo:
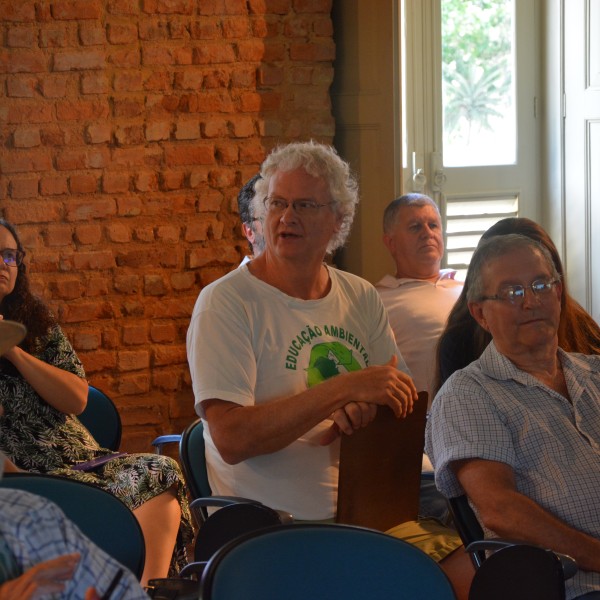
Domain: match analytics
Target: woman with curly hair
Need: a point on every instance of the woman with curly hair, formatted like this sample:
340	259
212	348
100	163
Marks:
43	387
463	340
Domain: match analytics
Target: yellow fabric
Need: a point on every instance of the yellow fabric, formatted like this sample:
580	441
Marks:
429	535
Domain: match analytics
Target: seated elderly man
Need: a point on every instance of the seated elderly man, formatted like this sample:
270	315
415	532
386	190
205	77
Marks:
418	300
518	430
287	353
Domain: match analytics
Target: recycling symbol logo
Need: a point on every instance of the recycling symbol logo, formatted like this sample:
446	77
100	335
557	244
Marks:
328	360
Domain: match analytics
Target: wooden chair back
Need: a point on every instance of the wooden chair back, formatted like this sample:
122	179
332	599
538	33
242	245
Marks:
380	470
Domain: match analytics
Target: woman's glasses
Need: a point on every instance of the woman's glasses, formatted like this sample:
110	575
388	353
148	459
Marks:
12	257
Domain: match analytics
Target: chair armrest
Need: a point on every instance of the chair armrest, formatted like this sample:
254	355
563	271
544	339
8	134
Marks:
569	565
161	440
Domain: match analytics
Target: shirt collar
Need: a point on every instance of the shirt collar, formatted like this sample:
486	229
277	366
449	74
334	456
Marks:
389	281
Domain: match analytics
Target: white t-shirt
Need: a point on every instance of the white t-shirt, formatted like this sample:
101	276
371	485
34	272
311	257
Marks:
418	311
250	343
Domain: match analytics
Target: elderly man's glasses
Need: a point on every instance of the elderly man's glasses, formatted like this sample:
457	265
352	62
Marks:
303	208
515	294
11	257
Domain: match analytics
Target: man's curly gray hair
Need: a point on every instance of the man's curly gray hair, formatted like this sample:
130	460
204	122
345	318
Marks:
318	160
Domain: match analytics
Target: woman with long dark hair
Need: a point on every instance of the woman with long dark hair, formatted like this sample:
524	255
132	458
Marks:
43	387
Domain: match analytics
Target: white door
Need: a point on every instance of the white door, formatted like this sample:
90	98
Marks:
472	145
582	150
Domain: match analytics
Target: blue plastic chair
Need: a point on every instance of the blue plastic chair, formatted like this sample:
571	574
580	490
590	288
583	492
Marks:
106	520
101	418
329	562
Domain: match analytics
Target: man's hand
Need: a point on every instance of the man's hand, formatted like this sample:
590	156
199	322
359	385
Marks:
373	386
48	577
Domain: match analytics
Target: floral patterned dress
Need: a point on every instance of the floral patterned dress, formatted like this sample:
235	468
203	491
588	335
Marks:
39	438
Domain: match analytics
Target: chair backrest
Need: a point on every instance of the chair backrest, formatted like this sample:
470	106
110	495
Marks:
101	516
193	463
467	525
297	562
519	572
380	470
228	523
101	418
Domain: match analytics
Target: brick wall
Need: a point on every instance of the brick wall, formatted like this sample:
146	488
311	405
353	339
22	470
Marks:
127	128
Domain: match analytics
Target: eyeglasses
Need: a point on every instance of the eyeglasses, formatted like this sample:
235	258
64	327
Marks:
12	257
303	208
515	294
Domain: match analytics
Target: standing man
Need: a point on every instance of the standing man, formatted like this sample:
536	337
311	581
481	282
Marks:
251	226
287	353
420	295
518	430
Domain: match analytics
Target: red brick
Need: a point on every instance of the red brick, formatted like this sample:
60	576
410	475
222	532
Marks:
171	180
312	6
76	9
25	161
133	384
87	340
129	206
59	36
59	235
235	27
187	129
26	138
270	76
81	312
92	35
53	186
166	380
88	234
53	86
206	29
114	183
80	110
22	61
123	7
227	154
118	233
215	102
99	360
21	86
146	181
312	52
169	355
21	37
154	285
133	360
96	286
24	188
183	281
158	81
80	60
67	289
197	231
144	234
124	57
94	83
90	261
189	155
163	332
128	107
168	7
297	27
28	114
277	7
213	53
127	283
130	135
17	11
128	82
135	334
91	209
151	30
117	33
99	133
83	183
158	130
